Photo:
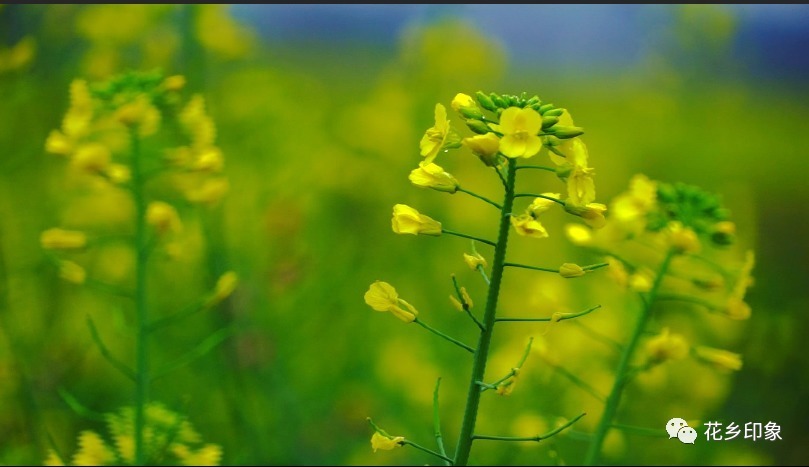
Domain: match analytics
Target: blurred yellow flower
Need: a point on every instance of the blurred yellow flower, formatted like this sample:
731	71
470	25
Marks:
60	239
163	217
209	192
580	186
682	239
224	287
381	296
58	143
407	220
210	454
617	271
435	137
485	147
629	209
578	234
462	100
474	260
19	55
53	459
93	450
72	272
721	359
527	226
209	160
139	113
667	346
174	83
197	124
520	129
570	270
92	158
80	114
379	441
642	280
429	175
592	213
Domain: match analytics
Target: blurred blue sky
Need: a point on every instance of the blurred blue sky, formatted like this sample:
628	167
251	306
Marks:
771	40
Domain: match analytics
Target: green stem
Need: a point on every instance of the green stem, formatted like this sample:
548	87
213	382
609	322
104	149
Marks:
641	430
532	195
439	439
538	167
565	316
535	268
141	311
407	442
444	336
531	438
688	299
614	398
458	234
482	353
483	198
482	272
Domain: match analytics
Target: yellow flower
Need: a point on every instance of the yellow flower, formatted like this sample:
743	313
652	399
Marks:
139	113
485	147
209	160
430	175
721	359
210	454
163	217
407	220
507	387
210	192
78	117
379	441
667	346
197	124
72	272
60	239
540	205
736	308
682	239
118	173
475	260
58	143
578	234
461	101
53	459
435	137
224	287
527	226
570	270
93	450
91	158
592	213
642	280
381	296
580	186
617	271
466	106
174	83
630	208
520	129
465	299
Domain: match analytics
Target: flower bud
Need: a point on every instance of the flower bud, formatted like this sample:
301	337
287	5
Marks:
571	270
485	101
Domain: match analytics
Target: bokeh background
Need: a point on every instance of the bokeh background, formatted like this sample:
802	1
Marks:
319	110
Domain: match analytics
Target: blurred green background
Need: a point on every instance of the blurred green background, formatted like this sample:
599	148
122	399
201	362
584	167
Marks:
319	110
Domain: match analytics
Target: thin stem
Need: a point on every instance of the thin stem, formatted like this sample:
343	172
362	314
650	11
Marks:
502	178
439	439
407	442
535	268
512	373
580	383
532	195
536	438
105	352
444	336
141	310
640	430
483	198
458	234
687	299
620	374
482	272
199	351
482	353
598	336
180	315
562	317
537	167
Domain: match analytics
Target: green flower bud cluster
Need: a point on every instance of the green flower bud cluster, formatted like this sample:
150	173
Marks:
694	208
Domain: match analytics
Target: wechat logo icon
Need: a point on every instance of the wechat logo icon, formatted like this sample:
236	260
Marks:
678	428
